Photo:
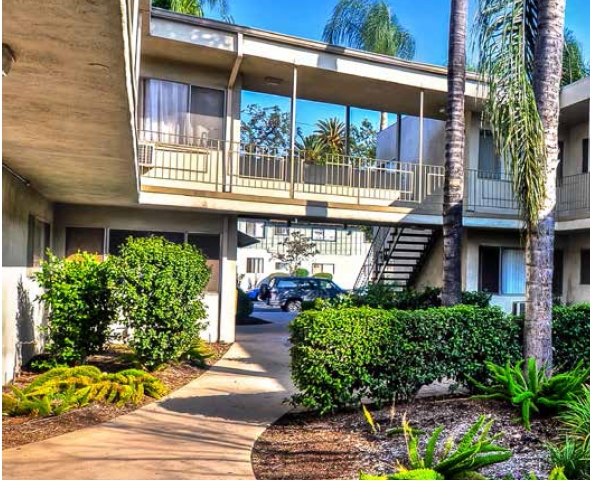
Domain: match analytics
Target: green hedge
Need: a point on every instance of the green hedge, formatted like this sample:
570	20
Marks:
571	335
341	355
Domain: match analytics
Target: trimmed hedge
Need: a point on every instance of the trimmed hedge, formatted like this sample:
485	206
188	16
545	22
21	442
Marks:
340	355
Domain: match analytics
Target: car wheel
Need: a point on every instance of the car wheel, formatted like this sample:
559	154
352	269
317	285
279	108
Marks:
293	306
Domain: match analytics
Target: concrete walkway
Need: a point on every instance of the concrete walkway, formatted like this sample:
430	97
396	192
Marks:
205	430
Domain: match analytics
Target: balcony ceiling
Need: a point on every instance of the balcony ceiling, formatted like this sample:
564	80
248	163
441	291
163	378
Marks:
67	121
326	73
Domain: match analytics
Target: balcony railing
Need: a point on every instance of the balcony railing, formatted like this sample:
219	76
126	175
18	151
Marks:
212	165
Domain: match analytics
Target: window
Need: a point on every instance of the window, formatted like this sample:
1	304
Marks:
323	234
254	229
90	240
209	246
502	270
117	237
560	161
281	230
179	113
558	272
322	268
38	241
585	267
255	265
281	266
490	165
585	155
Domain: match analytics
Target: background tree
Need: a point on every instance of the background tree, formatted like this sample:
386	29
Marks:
312	146
521	48
194	7
363	140
294	250
332	133
369	25
265	127
574	65
454	155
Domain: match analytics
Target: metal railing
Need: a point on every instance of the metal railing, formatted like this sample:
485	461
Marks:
371	262
573	195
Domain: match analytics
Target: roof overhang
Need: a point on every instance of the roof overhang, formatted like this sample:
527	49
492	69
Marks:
326	73
574	102
67	106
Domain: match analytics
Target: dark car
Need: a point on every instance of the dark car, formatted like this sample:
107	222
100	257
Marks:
290	292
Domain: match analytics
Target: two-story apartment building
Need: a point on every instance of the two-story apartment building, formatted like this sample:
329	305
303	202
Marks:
340	250
124	120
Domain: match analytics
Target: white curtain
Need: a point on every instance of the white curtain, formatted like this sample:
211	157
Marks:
165	112
513	271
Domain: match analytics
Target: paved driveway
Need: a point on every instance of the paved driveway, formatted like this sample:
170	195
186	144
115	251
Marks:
205	430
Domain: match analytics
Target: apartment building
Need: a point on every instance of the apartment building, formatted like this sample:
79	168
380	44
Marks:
341	250
120	119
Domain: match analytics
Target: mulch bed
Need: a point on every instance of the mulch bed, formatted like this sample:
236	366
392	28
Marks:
21	430
341	446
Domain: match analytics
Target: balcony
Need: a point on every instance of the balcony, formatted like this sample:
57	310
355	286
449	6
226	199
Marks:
205	166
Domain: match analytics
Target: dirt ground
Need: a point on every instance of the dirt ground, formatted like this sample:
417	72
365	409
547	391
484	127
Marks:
21	430
341	446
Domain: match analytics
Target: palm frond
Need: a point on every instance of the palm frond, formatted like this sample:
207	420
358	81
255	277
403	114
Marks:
574	67
506	36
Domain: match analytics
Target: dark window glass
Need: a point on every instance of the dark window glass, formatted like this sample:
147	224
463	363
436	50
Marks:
90	240
209	245
489	269
558	272
490	164
585	267
206	111
255	265
585	155
117	237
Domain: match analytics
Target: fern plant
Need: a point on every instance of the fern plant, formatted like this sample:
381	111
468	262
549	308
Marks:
460	460
533	391
63	388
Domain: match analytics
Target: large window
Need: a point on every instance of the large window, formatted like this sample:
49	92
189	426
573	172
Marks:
90	240
209	244
255	265
585	155
585	267
490	163
322	268
181	114
254	228
38	241
502	270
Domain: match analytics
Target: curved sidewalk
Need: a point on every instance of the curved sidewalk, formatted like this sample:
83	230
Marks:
205	430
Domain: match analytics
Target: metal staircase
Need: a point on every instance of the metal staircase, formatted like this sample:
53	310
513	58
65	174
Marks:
396	256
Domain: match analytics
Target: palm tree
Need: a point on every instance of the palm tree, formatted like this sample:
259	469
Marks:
312	147
521	47
454	155
332	133
193	7
369	25
574	66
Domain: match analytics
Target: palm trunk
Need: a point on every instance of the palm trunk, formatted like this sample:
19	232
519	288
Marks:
383	121
540	238
454	156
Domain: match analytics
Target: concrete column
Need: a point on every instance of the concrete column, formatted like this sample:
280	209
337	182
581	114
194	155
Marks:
228	279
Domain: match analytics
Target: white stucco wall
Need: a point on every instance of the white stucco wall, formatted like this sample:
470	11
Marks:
19	290
571	244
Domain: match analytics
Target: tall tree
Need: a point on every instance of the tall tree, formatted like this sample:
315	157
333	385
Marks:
521	48
574	65
369	25
332	133
265	127
194	7
454	155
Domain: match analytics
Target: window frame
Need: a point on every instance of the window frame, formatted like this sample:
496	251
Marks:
501	249
31	241
255	260
333	272
322	237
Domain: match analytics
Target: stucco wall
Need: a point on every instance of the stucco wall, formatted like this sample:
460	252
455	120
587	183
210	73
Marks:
19	290
220	308
572	137
431	273
571	244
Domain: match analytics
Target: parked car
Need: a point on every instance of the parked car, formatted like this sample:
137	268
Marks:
288	293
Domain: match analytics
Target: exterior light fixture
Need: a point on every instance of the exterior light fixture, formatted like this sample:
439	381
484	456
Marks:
275	81
8	59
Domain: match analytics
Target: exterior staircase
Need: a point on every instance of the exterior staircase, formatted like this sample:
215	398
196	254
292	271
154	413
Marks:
396	256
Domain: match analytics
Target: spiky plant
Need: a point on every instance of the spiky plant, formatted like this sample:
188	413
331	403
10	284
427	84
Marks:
576	418
371	26
520	46
312	148
194	7
331	133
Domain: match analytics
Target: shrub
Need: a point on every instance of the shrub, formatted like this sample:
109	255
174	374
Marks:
78	294
571	329
389	296
576	418
301	273
324	275
573	457
461	461
245	305
534	391
476	298
160	289
341	355
62	389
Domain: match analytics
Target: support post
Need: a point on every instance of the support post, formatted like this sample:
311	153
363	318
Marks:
421	149
347	131
399	138
293	130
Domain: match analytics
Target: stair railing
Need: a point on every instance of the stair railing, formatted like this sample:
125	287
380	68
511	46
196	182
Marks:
387	256
371	262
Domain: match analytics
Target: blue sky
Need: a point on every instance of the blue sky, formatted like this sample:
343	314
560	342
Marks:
427	20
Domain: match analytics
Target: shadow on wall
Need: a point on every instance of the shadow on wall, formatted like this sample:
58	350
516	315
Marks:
25	327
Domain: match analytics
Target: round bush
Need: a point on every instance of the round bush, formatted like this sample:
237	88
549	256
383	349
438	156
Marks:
160	294
245	305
